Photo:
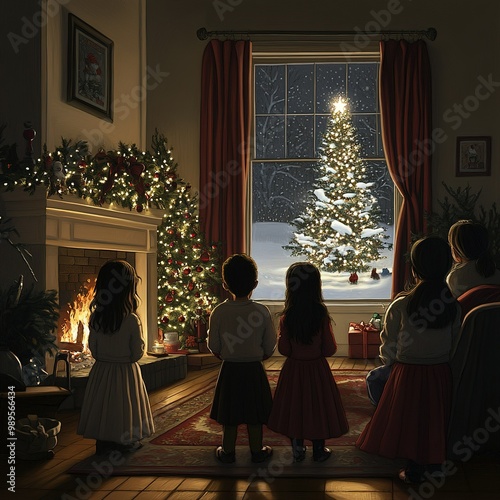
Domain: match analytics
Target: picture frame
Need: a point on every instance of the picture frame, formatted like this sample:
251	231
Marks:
90	69
473	156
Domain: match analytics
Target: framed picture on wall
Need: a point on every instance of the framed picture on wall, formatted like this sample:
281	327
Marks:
473	156
90	69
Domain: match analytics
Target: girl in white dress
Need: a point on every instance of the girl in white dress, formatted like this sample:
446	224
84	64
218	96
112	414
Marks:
116	410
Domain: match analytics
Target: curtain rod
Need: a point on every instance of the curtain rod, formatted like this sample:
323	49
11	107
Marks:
203	34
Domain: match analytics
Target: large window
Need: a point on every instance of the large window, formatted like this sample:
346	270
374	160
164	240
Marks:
292	106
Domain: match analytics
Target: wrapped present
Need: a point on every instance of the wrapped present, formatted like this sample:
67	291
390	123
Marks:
364	340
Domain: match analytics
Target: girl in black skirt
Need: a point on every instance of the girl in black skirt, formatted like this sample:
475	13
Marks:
242	334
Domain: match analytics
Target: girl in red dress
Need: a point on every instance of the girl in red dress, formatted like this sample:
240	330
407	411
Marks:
307	402
421	328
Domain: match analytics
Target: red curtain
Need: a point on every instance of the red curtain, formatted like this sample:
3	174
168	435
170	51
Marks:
405	99
225	142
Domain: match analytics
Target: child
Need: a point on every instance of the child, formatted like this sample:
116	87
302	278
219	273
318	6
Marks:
307	403
420	333
474	265
116	411
242	334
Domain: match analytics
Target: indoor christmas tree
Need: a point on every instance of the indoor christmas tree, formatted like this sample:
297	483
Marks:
340	228
188	270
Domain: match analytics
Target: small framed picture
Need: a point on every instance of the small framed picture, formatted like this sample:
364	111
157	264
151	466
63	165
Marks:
473	156
90	69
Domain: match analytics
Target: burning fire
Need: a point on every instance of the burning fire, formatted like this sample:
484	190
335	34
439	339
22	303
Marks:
76	328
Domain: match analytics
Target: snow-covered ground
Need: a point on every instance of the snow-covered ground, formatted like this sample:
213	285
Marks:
273	261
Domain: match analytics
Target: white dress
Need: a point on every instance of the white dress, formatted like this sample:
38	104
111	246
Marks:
116	404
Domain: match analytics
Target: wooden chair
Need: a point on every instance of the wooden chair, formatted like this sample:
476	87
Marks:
44	399
476	384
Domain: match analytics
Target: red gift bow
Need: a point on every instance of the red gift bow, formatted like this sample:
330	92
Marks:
362	327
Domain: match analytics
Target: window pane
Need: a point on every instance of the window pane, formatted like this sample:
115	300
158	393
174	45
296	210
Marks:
270	89
300	131
321	121
362	90
300	88
279	190
330	83
383	189
367	134
270	137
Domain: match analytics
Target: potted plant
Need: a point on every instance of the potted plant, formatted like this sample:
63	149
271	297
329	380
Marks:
28	317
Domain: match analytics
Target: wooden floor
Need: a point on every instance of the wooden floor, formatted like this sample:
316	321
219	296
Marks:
477	479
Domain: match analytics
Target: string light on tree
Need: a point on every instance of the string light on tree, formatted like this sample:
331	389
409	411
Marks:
340	228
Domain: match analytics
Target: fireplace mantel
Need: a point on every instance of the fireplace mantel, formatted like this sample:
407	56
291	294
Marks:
45	224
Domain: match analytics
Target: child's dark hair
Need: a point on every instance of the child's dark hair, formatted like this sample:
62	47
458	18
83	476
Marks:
239	272
115	296
470	241
304	311
431	300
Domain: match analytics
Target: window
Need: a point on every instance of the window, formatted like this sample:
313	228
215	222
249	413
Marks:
292	104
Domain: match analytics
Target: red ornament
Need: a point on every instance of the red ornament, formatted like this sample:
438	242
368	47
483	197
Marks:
186	271
212	269
187	215
170	231
182	319
165	319
193	235
199	269
169	297
169	261
191	286
197	295
205	257
171	244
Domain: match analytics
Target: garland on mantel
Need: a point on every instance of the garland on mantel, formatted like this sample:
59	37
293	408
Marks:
188	267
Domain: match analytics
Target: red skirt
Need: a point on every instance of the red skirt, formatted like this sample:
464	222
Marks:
411	418
307	402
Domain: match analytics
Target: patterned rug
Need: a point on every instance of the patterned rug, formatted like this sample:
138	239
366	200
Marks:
190	424
186	437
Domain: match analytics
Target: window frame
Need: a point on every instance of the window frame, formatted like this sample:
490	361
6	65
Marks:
286	55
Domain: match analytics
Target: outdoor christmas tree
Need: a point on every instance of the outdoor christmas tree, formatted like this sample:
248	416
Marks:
340	228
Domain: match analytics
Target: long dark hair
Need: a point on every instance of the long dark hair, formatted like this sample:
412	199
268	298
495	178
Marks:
470	241
304	310
115	296
430	300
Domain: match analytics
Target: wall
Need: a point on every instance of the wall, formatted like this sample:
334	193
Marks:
461	59
37	62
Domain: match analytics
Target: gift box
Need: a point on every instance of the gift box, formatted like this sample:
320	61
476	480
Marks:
364	341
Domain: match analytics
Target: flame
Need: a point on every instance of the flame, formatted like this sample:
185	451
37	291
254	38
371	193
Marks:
76	329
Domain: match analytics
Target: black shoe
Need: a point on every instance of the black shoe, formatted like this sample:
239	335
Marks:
262	455
225	458
103	447
412	474
322	455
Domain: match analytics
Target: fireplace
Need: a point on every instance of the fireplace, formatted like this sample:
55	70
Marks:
71	238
